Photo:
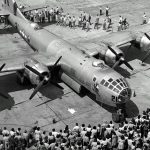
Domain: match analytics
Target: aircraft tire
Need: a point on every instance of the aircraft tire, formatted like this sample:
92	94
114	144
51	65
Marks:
116	117
22	81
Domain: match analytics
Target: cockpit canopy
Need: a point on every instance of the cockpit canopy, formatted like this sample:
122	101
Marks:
119	86
99	64
35	26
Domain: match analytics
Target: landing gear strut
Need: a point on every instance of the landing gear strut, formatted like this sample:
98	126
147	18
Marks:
119	115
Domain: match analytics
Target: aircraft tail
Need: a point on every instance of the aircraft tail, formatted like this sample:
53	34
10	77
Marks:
12	7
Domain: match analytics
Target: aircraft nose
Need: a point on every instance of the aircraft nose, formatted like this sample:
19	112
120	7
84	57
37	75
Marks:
124	95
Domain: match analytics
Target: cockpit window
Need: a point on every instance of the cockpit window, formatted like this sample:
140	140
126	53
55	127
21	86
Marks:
114	83
121	84
116	90
111	87
118	80
118	87
106	84
110	80
102	82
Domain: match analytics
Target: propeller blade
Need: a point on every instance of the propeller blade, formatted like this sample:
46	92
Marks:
112	50
37	89
146	56
56	63
2	67
147	35
128	65
116	64
34	71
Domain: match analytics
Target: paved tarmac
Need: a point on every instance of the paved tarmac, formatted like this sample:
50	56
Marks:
66	106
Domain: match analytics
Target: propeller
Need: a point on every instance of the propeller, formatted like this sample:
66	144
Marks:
45	79
2	67
147	35
146	56
56	63
148	53
37	89
34	71
120	59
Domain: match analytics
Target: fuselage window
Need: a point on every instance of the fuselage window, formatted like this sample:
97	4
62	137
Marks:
111	87
114	83
102	82
106	84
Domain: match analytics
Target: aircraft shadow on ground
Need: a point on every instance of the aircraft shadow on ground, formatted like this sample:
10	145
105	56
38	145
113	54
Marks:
6	103
134	53
131	108
123	72
8	30
8	84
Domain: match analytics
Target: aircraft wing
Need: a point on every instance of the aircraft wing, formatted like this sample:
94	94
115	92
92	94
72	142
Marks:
116	38
16	64
4	12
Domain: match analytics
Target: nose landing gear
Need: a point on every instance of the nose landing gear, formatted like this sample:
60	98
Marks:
120	114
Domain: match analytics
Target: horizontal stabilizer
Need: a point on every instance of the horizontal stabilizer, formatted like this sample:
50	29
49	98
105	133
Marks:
4	12
31	8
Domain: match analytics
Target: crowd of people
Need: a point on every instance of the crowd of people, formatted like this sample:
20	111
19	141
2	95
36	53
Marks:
130	135
57	16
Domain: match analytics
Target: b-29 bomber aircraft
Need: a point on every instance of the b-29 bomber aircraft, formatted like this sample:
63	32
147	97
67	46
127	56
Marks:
78	68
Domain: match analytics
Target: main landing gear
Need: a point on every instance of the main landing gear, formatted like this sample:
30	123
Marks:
119	115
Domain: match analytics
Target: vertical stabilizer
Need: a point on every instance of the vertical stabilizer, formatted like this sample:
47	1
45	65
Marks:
12	7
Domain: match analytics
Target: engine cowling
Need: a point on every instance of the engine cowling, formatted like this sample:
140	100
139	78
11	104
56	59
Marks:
36	72
110	57
142	41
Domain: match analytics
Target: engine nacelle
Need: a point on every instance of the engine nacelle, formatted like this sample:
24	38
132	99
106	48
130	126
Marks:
108	56
143	41
35	72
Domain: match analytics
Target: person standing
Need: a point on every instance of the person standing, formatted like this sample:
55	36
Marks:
84	24
89	19
84	16
144	18
73	21
87	26
100	11
107	11
96	22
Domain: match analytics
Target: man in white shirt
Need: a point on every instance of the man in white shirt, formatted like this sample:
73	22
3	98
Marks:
76	128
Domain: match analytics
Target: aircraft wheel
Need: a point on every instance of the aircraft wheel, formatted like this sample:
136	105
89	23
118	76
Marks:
116	117
22	80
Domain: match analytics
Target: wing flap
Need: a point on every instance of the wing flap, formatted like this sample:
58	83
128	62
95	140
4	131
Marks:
31	8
